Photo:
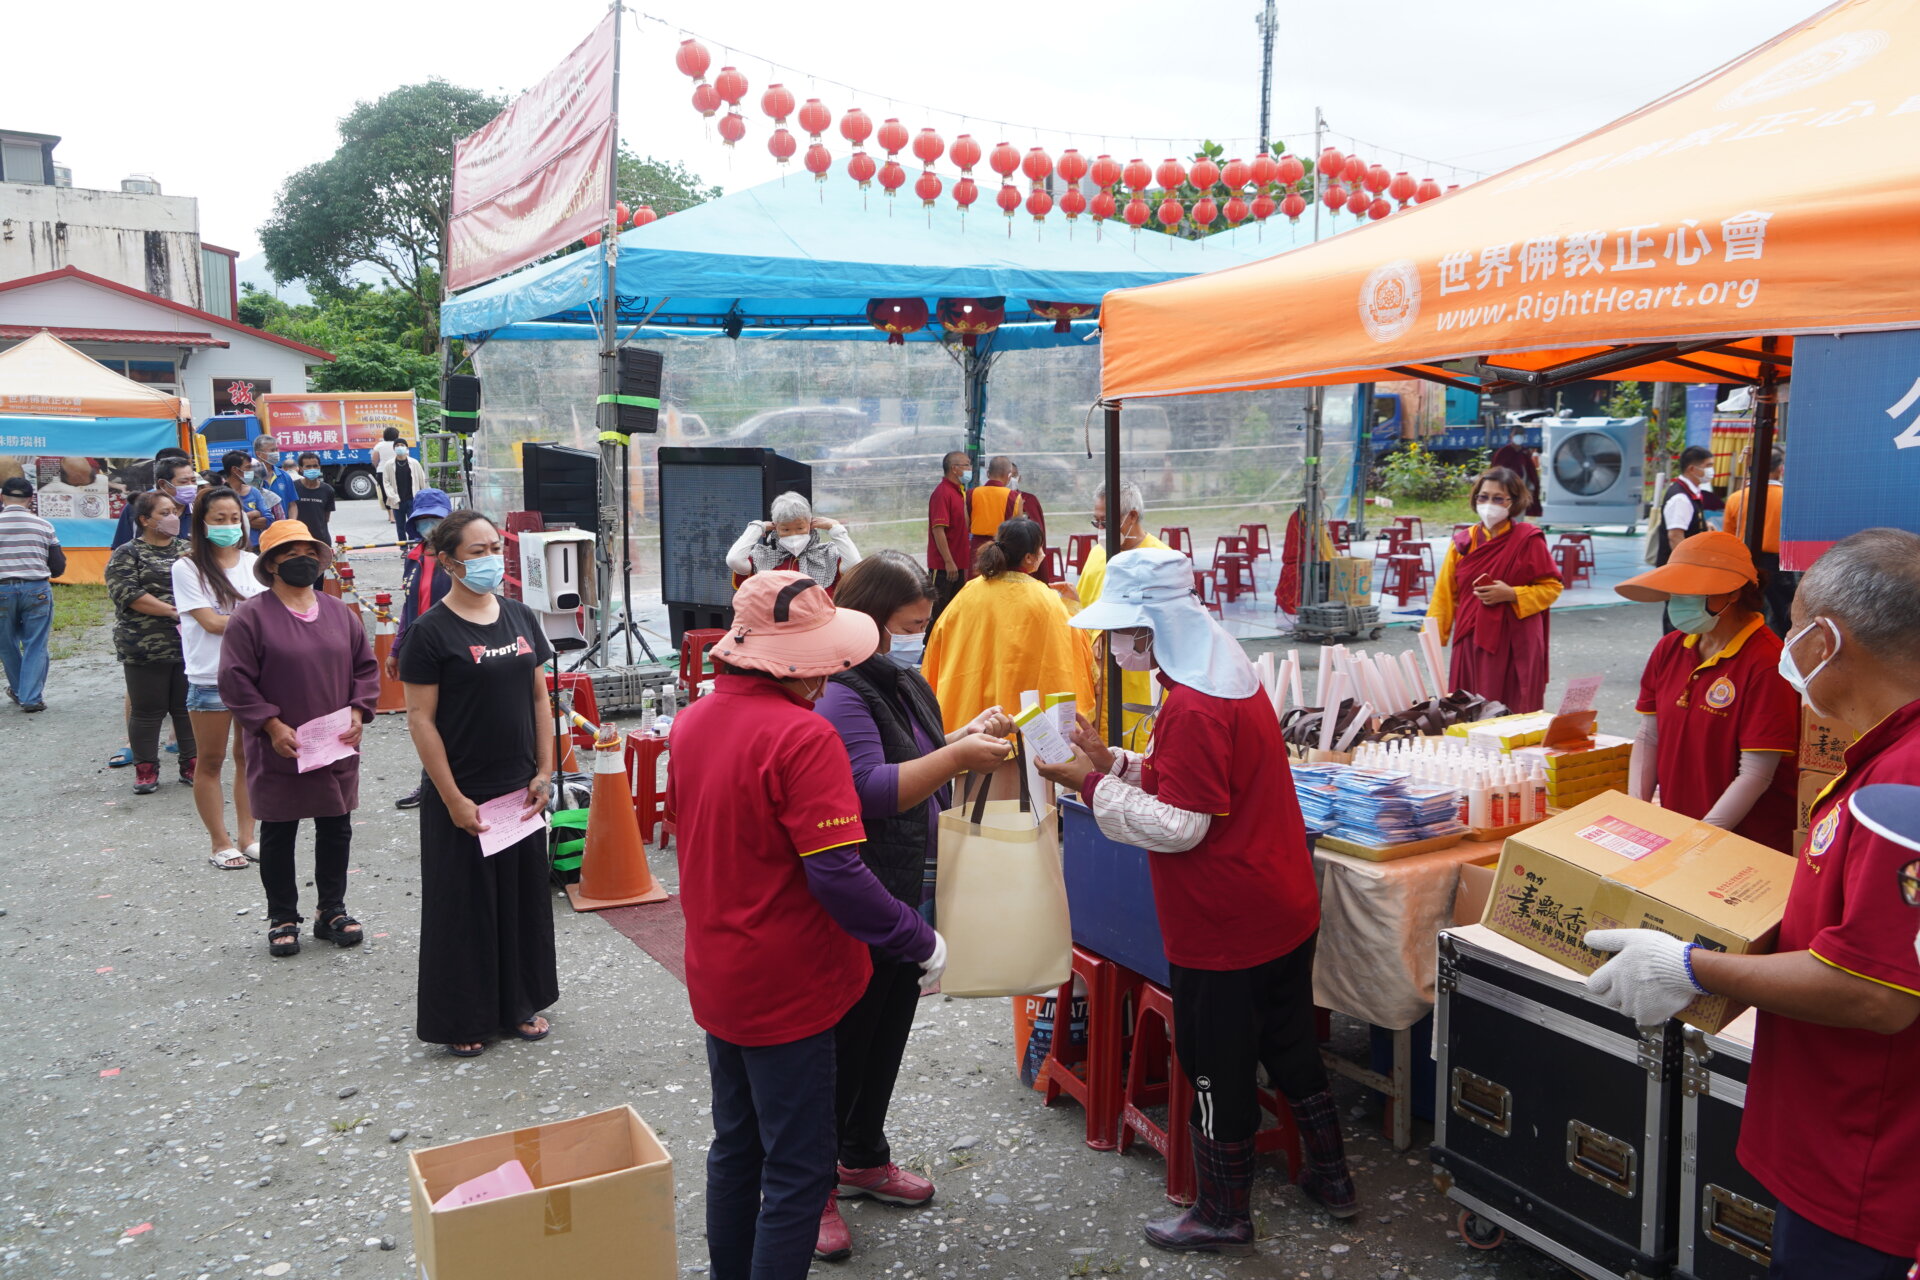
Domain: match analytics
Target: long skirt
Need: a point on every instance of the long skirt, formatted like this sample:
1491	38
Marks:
486	932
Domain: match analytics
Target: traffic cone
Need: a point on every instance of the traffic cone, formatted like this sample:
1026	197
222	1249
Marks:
613	868
348	596
393	696
330	583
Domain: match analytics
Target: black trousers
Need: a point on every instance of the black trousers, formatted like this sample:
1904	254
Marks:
770	1168
1227	1022
332	842
944	590
156	690
1778	593
868	1045
1802	1251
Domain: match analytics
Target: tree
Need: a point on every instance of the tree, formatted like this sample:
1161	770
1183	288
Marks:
665	186
374	333
381	200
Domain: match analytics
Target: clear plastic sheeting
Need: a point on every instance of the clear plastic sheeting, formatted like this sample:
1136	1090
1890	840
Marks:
874	422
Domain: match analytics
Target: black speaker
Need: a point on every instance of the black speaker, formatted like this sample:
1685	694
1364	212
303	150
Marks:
562	484
707	496
637	411
460	402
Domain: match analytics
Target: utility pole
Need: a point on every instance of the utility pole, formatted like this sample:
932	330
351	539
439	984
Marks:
1267	23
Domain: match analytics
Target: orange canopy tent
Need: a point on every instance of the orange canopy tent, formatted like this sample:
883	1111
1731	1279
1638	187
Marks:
1779	194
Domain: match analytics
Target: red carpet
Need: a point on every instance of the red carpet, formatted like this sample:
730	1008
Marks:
658	929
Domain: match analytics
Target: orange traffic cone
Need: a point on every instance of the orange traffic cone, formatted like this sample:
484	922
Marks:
613	869
393	696
348	595
331	582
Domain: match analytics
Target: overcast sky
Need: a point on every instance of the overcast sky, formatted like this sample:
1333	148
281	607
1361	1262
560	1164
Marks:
222	99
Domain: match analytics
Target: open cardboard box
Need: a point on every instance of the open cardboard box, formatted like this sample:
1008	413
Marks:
602	1204
1620	863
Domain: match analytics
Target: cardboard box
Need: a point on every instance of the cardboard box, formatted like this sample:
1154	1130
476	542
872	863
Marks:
1575	796
1470	898
1350	580
602	1204
1812	783
1822	743
1620	863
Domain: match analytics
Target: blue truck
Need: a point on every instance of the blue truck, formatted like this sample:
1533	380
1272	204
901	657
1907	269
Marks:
340	426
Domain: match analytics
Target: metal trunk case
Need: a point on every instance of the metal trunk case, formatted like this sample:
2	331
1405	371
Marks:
1726	1216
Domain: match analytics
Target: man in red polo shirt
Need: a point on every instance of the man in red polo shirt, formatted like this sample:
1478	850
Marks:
1829	1127
780	910
1233	884
949	547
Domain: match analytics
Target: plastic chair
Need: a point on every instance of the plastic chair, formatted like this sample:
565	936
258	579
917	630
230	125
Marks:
1079	547
1416	527
1178	537
694	667
1098	1091
1583	542
1386	546
1053	566
1259	541
1404	579
1340	533
1233	576
1203	587
1228	544
643	754
1572	569
1154	1079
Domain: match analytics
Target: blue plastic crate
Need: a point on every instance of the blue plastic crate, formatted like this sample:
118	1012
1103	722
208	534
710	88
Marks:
1110	896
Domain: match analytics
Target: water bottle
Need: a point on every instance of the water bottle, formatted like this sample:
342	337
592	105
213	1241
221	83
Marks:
647	708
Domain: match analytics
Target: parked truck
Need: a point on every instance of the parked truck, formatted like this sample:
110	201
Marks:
340	426
1466	426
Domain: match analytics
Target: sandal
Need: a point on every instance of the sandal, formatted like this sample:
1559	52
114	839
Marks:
121	758
228	859
335	929
284	939
546	1029
472	1049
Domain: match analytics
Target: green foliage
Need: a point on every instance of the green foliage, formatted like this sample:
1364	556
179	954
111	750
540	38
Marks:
662	184
1417	474
1627	401
375	333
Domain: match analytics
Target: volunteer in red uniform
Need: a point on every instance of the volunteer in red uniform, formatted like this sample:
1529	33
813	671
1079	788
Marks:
949	547
1719	727
780	911
1829	1126
1233	880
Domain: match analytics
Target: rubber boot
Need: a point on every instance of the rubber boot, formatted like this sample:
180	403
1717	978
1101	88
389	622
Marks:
1327	1179
1220	1220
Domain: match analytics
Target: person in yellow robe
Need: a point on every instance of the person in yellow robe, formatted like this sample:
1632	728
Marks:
1136	687
993	503
1006	633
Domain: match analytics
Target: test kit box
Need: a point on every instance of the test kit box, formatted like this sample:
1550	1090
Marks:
602	1204
1823	743
1619	863
1350	580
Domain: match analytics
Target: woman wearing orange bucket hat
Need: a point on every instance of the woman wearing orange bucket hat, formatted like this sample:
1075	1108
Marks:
1720	728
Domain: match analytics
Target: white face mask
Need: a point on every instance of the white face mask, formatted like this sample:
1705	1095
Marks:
1128	657
1491	514
1790	670
795	545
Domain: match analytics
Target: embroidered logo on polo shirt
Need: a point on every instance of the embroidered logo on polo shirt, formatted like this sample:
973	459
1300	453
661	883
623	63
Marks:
1821	838
836	822
1721	695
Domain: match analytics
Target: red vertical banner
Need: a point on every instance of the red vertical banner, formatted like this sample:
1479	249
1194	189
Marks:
536	177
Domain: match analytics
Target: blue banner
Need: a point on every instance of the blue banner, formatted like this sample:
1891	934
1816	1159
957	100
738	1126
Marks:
1853	441
1701	397
29	433
83	533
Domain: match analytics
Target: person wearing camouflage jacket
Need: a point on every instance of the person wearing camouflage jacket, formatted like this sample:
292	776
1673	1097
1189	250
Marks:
146	637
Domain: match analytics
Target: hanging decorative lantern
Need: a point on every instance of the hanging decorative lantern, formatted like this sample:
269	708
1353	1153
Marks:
1138	213
1236	211
1008	199
1379	209
1037	165
1170	212
897	317
1171	175
1331	162
1358	201
892	137
928	147
1402	188
861	168
1263	207
1105	171
781	145
814	118
1102	206
1293	206
1137	175
1289	170
1334	197
1354	170
693	59
855	126
1378	179
732	128
1005	159
1263	170
620	213
591	238
965	192
1039	203
730	85
777	102
1204	175
1452	187
1427	190
818	161
1237	174
892	176
928	187
1073	167
1204	213
1063	314
706	99
1072	203
971	319
643	215
966	153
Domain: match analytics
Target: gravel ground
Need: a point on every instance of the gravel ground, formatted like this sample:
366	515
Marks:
180	1105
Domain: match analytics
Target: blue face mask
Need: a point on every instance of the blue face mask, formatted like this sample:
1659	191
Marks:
311	473
1691	615
484	574
907	648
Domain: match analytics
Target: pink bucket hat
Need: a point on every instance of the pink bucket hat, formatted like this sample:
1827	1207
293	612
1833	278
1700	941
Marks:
785	624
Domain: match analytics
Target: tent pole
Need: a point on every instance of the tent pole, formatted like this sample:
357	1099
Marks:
973	370
607	418
1319	179
1114	700
1766	408
1310	516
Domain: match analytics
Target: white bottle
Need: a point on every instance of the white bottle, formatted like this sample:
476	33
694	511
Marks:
1477	803
1537	784
1516	794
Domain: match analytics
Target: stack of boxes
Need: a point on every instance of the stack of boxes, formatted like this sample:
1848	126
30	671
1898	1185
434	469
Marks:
1579	772
1823	745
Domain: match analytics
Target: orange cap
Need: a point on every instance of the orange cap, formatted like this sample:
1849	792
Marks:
1707	564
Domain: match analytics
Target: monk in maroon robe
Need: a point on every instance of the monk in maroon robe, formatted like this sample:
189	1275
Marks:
1494	590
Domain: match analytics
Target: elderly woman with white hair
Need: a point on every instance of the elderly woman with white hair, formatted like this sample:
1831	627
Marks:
1213	804
794	539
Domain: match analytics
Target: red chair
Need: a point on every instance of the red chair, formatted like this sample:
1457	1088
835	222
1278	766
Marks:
1203	587
1386	546
643	754
1233	576
1340	533
1228	544
1428	574
1416	528
1178	537
694	667
1098	1090
1572	568
1405	579
1259	542
1079	547
1583	542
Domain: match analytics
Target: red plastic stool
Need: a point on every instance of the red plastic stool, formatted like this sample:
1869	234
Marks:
1154	1056
1079	547
1259	541
1340	533
1178	537
1573	569
1228	544
1428	575
1404	579
1203	587
693	659
1416	527
1582	542
1053	567
643	780
1233	576
1098	1091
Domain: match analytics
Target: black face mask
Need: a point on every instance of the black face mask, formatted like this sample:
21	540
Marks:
299	571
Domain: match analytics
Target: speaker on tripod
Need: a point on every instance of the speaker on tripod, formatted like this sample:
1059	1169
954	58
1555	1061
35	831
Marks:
460	403
707	496
637	406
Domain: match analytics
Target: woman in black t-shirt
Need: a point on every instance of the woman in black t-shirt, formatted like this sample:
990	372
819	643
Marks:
476	699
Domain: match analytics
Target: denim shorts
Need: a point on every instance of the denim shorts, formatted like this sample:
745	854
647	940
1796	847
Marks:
204	697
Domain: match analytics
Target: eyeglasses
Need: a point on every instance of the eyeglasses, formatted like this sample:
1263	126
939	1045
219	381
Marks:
1497	499
1098	523
1910	883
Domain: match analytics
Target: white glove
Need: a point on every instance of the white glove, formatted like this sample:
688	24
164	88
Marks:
934	965
1649	981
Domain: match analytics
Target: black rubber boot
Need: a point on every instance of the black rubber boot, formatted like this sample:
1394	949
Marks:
1220	1220
1327	1180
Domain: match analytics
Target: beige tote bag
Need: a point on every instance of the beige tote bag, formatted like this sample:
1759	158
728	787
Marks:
1000	899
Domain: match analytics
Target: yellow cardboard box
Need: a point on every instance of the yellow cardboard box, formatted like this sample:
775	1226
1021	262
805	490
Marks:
1620	863
1823	743
601	1207
1812	783
1585	790
1350	580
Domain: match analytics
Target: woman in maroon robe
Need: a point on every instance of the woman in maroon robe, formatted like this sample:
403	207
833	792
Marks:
1492	597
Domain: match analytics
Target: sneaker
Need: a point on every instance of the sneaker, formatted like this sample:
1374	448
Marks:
889	1184
834	1242
31	707
146	779
411	800
187	767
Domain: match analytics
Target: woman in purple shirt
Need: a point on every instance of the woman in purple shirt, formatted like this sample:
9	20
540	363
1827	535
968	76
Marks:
903	763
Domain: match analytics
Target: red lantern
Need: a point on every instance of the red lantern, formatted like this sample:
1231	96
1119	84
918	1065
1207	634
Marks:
1335	197
1008	199
1137	176
730	85
643	215
706	98
781	145
928	147
1037	165
1237	175
1452	187
1358	201
815	118
928	188
971	319
591	238
861	168
1379	209
1063	314
1103	206
1205	174
1073	167
1004	158
693	59
732	128
892	176
1289	170
1072	203
1171	175
1204	212
1378	179
1263	207
966	152
1105	171
620	214
1170	213
1293	206
777	102
897	317
1138	213
1263	170
1354	170
892	137
1039	203
965	192
855	125
1427	190
818	161
1331	162
1236	211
